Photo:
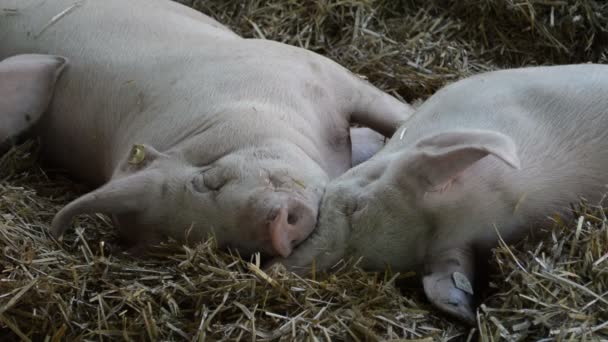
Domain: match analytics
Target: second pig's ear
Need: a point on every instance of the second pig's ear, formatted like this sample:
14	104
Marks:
439	158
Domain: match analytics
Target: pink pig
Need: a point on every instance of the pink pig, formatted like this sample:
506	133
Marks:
500	151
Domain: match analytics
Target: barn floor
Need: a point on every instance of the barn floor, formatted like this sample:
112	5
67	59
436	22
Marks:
84	288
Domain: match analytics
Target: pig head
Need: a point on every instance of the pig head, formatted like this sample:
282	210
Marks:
159	194
381	211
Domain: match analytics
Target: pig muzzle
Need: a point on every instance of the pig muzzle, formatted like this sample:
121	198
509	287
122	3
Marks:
289	225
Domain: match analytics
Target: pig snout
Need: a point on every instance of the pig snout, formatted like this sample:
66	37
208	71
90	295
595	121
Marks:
289	225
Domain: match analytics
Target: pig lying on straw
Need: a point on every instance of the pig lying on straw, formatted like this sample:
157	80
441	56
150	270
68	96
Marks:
485	158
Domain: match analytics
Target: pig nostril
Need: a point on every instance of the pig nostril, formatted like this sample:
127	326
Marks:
292	219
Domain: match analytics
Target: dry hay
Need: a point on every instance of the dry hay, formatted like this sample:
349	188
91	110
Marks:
555	289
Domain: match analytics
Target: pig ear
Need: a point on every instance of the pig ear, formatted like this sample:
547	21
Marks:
26	88
128	194
441	157
124	195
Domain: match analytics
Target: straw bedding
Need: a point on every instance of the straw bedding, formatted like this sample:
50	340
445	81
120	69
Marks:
550	288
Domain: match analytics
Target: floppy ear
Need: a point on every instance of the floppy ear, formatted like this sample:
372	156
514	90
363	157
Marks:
440	158
128	194
27	83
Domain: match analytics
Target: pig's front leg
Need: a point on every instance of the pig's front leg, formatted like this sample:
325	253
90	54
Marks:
365	143
27	83
448	282
378	110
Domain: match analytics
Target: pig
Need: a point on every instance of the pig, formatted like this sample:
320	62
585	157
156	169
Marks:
27	83
364	144
489	156
186	129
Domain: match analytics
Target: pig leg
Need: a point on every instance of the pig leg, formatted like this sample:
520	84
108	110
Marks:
379	111
26	87
448	282
364	144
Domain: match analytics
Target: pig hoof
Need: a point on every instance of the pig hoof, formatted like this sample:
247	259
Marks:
444	294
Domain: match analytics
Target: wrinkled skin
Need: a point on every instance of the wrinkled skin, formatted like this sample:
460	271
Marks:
190	129
504	149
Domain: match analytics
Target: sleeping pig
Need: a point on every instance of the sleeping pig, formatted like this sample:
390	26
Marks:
493	153
184	129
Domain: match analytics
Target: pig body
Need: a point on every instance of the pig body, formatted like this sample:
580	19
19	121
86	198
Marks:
497	151
191	129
